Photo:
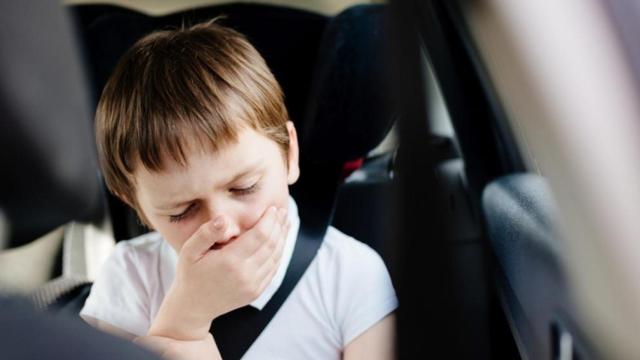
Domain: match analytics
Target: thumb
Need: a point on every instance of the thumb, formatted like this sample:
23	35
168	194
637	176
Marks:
204	238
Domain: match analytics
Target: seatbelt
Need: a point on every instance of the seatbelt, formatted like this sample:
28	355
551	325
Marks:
236	331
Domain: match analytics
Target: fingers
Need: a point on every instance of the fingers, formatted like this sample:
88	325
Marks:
269	245
256	237
269	264
204	238
270	268
264	231
260	267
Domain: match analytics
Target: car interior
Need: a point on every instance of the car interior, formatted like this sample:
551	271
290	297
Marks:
340	56
427	131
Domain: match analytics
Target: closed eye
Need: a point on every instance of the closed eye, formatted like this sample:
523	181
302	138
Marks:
183	215
246	190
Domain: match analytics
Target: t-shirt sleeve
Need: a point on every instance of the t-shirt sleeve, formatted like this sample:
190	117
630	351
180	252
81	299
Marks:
365	294
119	295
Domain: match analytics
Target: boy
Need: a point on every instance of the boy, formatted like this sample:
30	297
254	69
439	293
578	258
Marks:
193	134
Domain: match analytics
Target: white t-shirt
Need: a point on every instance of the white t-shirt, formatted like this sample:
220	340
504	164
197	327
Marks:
345	291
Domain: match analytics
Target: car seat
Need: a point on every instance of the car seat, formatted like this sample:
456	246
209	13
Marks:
287	39
328	52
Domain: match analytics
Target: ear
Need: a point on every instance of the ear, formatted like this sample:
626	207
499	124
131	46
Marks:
293	155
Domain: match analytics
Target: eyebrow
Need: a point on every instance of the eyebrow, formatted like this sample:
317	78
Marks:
254	167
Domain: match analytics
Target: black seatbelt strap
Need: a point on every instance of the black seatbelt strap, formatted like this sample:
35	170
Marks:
236	331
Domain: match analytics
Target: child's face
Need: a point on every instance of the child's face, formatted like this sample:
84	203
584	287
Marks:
239	182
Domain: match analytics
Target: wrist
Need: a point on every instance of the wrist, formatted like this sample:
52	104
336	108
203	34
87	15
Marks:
178	319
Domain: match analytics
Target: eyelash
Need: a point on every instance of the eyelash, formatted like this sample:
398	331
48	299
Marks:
246	191
183	215
239	192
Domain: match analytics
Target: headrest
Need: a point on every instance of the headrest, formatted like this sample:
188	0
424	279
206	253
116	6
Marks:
347	103
49	174
348	113
286	38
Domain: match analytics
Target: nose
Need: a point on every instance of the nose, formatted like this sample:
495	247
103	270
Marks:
226	214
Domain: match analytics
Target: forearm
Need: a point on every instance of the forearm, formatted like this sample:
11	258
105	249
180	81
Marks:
171	349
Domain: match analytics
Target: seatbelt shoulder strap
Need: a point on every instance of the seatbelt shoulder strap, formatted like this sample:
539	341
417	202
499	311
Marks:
237	330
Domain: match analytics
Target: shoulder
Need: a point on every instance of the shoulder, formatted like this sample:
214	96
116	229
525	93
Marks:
339	249
136	257
120	294
133	262
136	253
146	245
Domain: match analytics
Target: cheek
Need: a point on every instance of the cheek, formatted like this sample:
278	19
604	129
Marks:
177	235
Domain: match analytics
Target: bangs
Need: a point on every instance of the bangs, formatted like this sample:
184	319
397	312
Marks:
179	89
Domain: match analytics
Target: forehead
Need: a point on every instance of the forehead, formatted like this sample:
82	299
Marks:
250	150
